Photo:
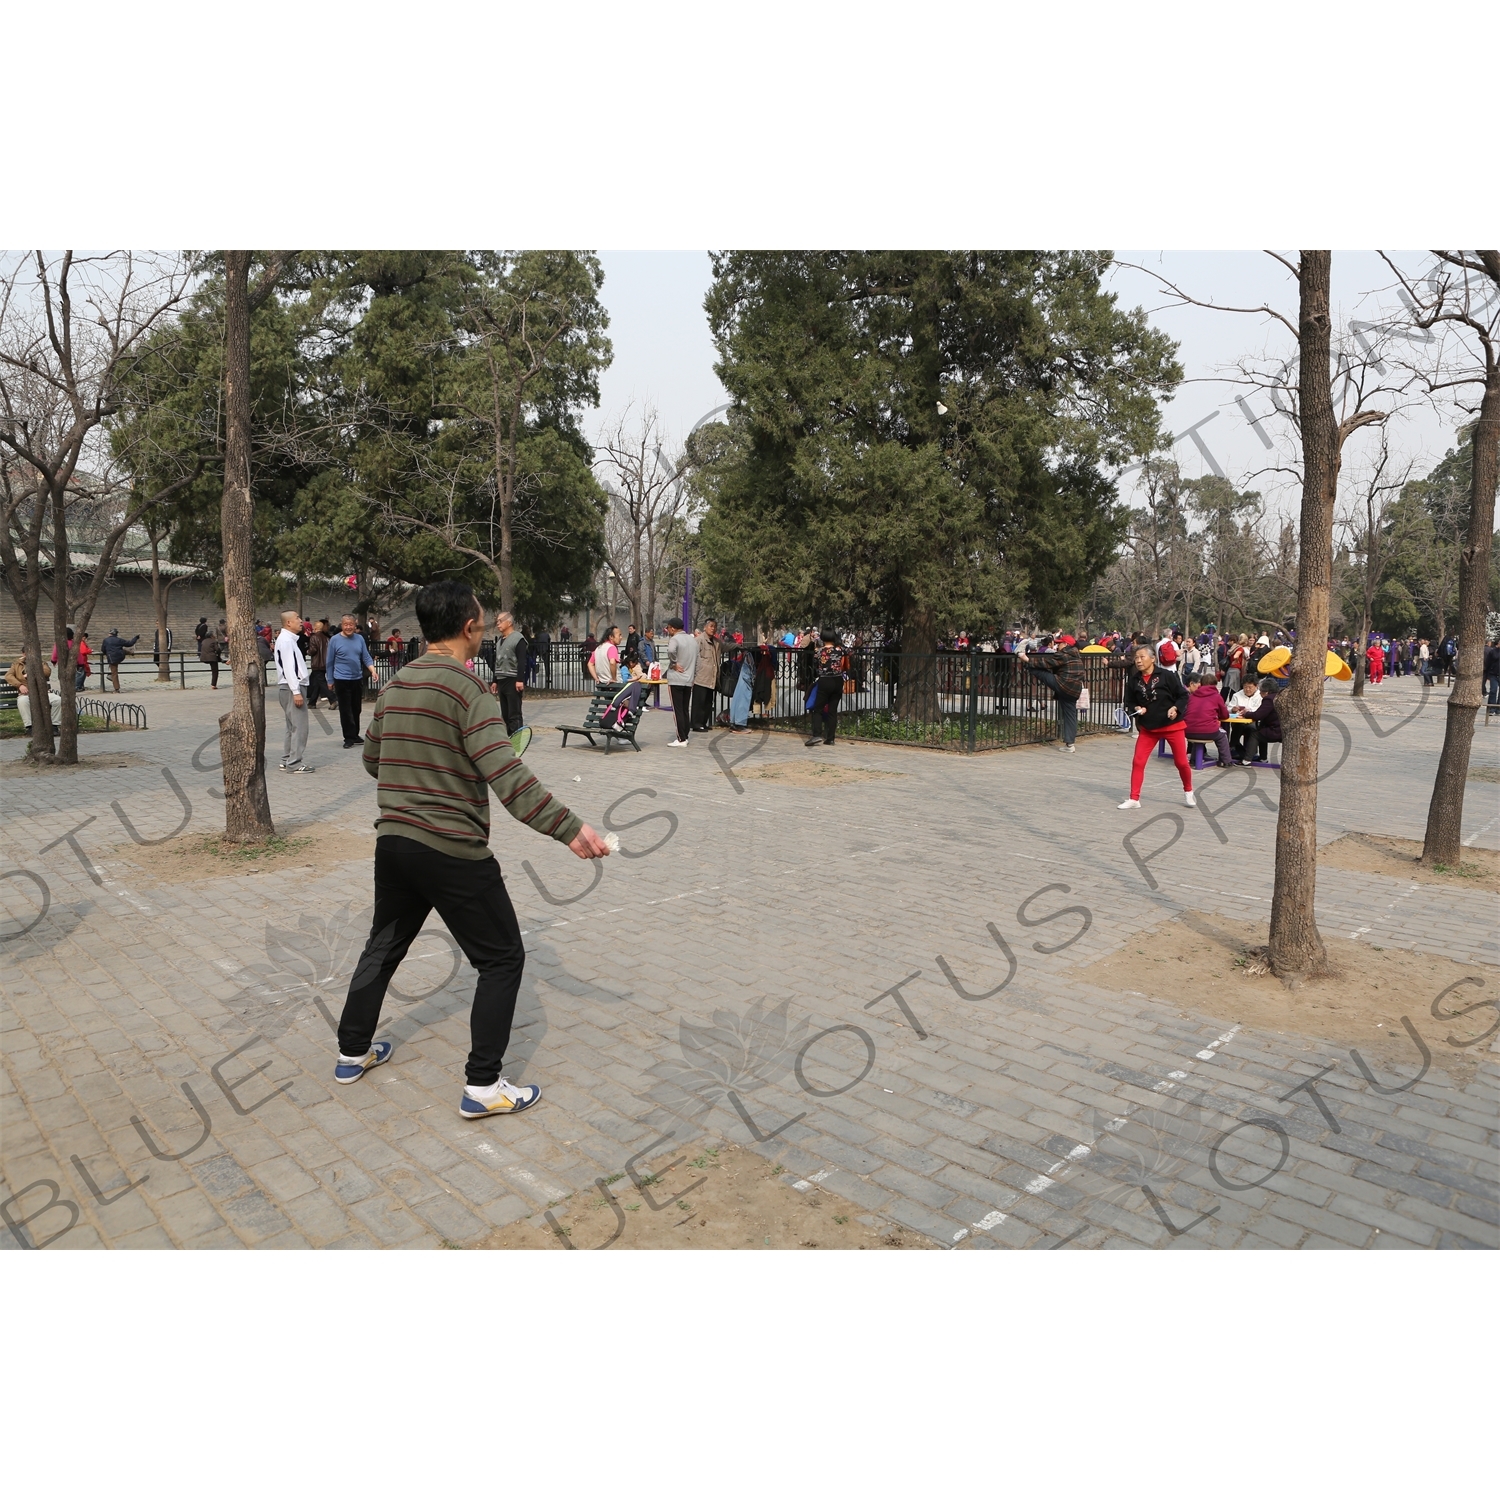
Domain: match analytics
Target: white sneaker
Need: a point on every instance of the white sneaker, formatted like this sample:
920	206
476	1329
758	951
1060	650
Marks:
1188	798
502	1098
1129	803
671	743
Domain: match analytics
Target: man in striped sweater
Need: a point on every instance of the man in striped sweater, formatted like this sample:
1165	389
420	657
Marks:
436	747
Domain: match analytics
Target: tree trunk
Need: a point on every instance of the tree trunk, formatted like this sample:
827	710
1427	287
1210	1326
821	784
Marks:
1445	813
1296	945
62	568
159	603
505	479
919	671
242	731
1361	662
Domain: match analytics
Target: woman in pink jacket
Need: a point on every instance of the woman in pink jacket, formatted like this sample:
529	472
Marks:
1207	714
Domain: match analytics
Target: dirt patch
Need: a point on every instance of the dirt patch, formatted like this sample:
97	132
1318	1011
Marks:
198	856
1375	854
814	773
101	762
1199	962
721	1198
1484	773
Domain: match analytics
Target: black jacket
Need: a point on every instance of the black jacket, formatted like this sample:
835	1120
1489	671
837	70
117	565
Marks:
1162	691
115	648
1268	718
1492	662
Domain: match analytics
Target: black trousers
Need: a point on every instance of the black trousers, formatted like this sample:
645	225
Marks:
470	897
826	709
317	688
510	703
351	694
703	707
682	698
1244	742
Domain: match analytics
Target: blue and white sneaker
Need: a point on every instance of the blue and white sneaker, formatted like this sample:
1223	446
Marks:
351	1070
503	1098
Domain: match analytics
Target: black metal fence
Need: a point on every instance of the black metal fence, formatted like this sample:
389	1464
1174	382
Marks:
950	700
114	713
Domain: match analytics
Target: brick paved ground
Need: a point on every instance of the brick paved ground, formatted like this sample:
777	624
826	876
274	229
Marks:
821	974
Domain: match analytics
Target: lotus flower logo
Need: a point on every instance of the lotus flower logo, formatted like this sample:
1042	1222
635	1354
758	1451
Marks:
742	1052
1149	1148
318	951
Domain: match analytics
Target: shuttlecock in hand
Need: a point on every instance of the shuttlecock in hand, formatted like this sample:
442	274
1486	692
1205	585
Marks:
612	842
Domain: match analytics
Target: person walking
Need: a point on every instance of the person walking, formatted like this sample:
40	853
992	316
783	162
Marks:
115	648
1157	701
347	660
317	664
510	670
706	675
682	666
1491	678
201	628
435	740
84	652
1062	671
291	686
210	653
828	688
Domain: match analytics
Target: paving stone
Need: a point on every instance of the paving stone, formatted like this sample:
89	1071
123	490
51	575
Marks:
109	1021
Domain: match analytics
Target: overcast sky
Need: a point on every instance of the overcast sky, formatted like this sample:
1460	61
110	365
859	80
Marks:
663	353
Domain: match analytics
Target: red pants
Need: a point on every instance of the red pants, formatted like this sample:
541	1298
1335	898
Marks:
1146	741
1377	668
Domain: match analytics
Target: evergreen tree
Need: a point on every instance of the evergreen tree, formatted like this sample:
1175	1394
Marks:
920	440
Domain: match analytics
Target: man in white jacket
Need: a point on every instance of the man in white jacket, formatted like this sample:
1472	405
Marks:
292	678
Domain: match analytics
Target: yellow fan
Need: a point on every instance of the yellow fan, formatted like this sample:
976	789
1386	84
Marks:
1093	650
1273	664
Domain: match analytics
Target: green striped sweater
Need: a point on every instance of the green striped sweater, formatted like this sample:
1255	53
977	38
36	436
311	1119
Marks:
436	739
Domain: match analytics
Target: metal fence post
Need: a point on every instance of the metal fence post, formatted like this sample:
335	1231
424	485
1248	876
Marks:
182	669
973	734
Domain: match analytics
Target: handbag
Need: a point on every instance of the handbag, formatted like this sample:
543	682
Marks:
812	699
1083	698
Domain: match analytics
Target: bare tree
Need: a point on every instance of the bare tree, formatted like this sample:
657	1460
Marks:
1461	298
242	731
1328	391
649	508
158	529
1376	532
70	329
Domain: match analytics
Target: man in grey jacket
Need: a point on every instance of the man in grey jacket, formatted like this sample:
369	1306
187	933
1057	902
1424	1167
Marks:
682	663
510	670
706	675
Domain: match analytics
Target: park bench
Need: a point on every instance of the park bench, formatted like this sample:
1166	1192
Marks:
1197	745
603	697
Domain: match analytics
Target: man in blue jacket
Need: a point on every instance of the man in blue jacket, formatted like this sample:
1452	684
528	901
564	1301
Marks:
347	661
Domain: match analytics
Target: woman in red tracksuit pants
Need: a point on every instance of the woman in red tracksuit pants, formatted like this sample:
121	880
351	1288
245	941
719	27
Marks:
1158	700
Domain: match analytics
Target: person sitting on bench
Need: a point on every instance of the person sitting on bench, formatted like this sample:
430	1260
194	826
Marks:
1206	713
